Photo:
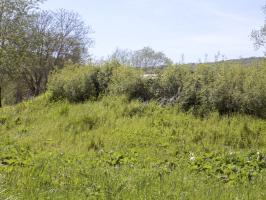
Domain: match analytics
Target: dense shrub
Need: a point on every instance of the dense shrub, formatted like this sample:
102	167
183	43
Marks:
197	86
131	82
240	89
105	74
81	83
254	95
73	83
223	87
172	80
226	88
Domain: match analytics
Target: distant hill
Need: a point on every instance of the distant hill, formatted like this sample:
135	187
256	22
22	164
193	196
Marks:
242	61
250	60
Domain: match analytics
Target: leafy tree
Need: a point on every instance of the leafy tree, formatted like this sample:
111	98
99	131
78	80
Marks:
143	58
14	16
147	57
259	36
33	43
56	38
123	56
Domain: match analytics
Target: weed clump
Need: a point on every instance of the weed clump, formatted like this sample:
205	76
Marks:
230	167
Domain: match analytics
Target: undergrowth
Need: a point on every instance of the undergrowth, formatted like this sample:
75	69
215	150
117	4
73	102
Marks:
120	149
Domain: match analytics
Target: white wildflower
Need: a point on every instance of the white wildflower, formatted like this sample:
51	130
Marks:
191	157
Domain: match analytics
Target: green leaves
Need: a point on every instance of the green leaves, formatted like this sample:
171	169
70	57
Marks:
13	155
116	159
230	167
76	84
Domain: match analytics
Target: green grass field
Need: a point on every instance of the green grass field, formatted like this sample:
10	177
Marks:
116	149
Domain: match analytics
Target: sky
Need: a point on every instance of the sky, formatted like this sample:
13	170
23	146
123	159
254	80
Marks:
194	28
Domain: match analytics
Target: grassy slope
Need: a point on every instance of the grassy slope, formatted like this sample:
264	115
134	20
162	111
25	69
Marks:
113	149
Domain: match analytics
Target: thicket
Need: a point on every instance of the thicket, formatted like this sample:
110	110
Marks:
80	83
223	87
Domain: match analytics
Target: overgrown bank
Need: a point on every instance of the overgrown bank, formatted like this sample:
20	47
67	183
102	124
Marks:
114	132
114	148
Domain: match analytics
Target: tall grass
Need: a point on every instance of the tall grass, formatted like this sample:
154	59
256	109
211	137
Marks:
116	148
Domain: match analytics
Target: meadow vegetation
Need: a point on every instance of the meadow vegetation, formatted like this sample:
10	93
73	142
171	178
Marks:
132	126
108	132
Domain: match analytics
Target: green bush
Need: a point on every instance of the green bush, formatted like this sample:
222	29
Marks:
226	88
240	89
223	87
104	76
195	94
81	83
254	96
75	84
172	80
131	82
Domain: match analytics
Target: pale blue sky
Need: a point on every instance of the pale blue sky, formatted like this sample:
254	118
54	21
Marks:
190	27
